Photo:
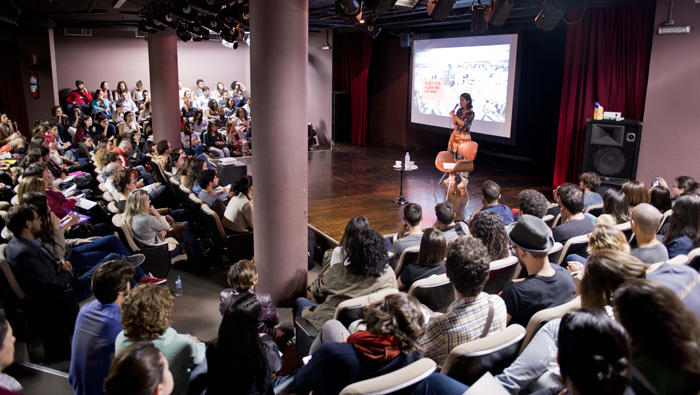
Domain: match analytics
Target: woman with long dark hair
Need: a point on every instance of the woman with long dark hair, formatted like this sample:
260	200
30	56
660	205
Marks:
431	259
683	233
684	185
355	226
139	369
240	361
617	205
462	121
660	197
664	335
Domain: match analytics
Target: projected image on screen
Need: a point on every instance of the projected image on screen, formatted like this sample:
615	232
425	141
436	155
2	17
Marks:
482	66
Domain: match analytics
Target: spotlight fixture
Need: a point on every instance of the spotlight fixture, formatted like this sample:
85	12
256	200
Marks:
380	6
185	12
440	9
409	5
236	14
165	19
498	12
350	11
549	17
326	46
182	34
478	21
209	7
373	30
228	36
195	30
212	23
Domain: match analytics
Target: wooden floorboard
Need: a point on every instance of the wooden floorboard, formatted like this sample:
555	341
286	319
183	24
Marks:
352	180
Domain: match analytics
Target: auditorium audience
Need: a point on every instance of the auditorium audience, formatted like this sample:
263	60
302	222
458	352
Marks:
467	317
615	203
215	142
660	197
445	213
636	193
589	183
490	195
208	181
547	285
139	369
488	227
683	233
664	334
684	185
533	203
9	134
604	237
430	261
79	97
645	222
390	342
238	216
8	385
366	272
100	105
574	223
146	317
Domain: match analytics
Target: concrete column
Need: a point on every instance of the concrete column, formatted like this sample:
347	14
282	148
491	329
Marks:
278	48
162	63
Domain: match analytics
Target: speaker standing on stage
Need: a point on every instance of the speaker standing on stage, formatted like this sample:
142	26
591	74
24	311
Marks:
462	120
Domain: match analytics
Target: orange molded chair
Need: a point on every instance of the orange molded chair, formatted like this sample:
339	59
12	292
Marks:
468	151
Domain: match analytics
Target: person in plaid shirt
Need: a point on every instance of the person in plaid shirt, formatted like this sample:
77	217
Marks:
467	318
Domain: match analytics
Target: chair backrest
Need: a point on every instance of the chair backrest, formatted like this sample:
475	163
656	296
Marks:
469	361
541	317
158	173
594	209
126	232
350	310
678	260
112	207
556	221
100	178
394	381
408	256
575	245
435	292
694	258
103	187
195	199
9	275
213	223
501	272
174	181
468	150
665	219
548	219
14	200
555	251
626	228
107	196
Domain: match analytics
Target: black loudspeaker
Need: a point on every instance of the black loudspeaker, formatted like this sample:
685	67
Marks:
611	149
440	9
380	6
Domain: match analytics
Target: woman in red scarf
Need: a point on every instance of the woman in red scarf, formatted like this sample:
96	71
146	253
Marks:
390	342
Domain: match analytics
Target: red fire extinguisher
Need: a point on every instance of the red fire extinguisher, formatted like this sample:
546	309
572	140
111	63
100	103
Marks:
34	85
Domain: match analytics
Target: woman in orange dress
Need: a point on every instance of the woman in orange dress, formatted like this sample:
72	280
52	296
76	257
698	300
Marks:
462	120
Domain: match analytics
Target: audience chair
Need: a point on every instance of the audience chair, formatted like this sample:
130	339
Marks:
158	259
408	256
626	228
103	187
112	207
100	178
556	221
548	219
445	159
14	200
678	260
398	380
435	292
540	318
694	259
107	197
594	209
236	246
158	173
575	245
555	251
469	361
350	310
501	272
665	219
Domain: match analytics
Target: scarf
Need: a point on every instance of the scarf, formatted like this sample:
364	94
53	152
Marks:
380	348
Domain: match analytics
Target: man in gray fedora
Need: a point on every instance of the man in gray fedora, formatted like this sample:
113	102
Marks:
547	285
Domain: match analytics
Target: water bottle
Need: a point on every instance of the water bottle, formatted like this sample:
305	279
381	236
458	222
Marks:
178	286
407	161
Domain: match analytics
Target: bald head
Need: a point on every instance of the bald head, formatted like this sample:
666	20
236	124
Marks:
647	218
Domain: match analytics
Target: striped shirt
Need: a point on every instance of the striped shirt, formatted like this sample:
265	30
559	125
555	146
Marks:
463	322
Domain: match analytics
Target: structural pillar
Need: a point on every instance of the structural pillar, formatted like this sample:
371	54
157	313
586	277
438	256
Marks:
278	52
165	107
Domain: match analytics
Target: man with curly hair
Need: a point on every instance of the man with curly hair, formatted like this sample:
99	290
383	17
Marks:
474	314
146	317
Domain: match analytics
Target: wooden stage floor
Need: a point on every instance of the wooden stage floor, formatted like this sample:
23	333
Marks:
352	180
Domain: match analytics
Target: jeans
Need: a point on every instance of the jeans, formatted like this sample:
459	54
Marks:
438	384
195	151
331	331
84	280
85	255
299	305
220	152
576	258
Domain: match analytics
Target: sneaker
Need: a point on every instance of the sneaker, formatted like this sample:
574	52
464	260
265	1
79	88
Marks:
462	185
135	260
151	280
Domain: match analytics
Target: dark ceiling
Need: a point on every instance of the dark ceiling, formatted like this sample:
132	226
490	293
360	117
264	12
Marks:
102	14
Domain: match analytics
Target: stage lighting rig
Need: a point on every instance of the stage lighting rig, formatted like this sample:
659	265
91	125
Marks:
498	12
380	6
478	20
183	11
349	10
236	14
549	17
209	7
164	18
182	34
440	9
212	23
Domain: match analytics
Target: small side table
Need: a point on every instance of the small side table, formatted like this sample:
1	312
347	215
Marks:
400	201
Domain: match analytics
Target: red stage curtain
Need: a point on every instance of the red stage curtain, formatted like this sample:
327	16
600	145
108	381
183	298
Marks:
351	64
11	90
607	60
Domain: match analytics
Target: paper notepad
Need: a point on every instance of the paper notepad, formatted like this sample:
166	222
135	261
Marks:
86	204
448	166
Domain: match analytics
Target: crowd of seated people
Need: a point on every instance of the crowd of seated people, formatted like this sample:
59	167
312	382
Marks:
59	262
